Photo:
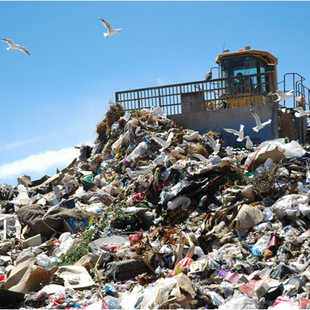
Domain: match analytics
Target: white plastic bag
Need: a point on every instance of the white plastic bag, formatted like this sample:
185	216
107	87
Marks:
180	201
138	151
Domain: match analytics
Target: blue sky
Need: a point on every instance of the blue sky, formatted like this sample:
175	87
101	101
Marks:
53	99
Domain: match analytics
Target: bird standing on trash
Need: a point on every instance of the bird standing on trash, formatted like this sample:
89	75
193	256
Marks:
13	46
239	133
111	31
259	125
249	144
300	112
229	151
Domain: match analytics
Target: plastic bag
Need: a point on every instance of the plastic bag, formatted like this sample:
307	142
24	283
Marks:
291	149
239	301
289	205
183	263
66	244
138	151
180	201
261	246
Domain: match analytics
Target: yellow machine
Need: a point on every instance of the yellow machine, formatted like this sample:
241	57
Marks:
246	78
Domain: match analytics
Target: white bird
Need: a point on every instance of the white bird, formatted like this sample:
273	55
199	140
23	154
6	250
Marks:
13	46
162	143
259	125
191	137
239	133
249	144
229	151
282	95
216	146
300	112
111	31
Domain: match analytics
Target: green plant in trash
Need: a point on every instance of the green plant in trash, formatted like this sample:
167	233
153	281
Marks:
81	247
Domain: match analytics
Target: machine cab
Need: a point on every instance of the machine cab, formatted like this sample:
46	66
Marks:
247	75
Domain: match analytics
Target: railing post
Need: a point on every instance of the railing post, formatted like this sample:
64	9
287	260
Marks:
159	98
138	100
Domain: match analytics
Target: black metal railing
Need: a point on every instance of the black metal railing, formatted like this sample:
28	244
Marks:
293	80
207	95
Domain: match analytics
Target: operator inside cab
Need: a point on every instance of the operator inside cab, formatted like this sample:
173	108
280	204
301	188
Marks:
242	84
243	74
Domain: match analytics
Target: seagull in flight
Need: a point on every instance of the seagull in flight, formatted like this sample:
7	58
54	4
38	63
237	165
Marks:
259	125
111	31
282	95
239	133
13	46
300	112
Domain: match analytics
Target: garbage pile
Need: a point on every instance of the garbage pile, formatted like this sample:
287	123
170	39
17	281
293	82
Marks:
157	216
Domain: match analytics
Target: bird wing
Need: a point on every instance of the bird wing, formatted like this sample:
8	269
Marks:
23	49
280	92
9	41
233	131
266	123
290	93
106	24
256	117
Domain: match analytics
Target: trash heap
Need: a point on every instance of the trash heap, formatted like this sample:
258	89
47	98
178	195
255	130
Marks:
157	216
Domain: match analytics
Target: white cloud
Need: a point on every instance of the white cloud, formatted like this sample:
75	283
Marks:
39	162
